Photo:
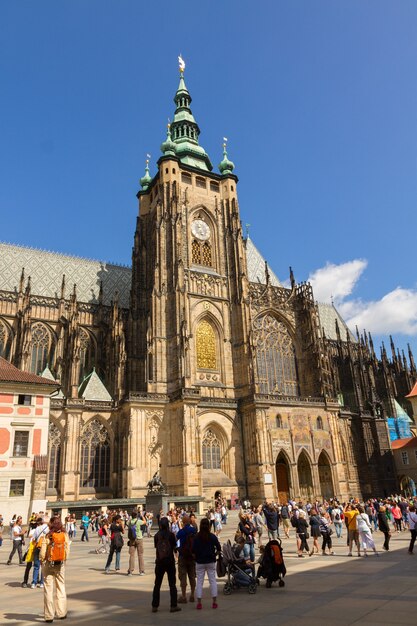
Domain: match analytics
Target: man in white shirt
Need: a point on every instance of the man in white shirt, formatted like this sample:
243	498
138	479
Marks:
412	521
17	535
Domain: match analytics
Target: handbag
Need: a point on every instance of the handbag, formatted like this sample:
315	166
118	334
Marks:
28	557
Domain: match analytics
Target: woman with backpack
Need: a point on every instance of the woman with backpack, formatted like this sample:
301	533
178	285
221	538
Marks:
165	544
116	542
54	552
206	547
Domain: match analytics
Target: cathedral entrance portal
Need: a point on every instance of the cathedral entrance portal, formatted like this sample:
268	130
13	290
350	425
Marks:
325	477
283	483
305	479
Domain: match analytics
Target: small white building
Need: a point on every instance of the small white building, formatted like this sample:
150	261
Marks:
24	425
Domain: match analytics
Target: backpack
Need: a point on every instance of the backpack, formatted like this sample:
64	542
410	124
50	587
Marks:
55	551
163	548
187	547
118	540
131	532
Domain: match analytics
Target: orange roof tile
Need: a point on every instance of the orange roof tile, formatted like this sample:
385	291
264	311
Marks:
413	392
11	374
410	442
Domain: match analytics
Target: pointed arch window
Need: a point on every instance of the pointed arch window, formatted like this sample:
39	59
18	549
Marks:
206	346
319	423
42	348
201	253
54	461
5	340
95	456
211	451
275	357
87	353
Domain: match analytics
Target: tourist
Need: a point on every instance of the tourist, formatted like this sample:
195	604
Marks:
218	521
326	533
85	522
149	522
337	518
315	530
301	527
135	542
53	554
186	563
18	541
248	532
412	521
350	512
165	545
365	531
403	504
384	526
259	523
1	529
285	517
38	535
116	542
398	518
206	547
272	521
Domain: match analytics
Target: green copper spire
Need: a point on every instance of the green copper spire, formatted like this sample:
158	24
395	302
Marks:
185	130
226	166
145	181
168	147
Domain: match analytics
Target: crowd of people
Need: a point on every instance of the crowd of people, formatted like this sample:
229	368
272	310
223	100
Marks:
191	549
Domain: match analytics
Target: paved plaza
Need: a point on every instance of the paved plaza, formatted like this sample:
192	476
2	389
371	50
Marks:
319	590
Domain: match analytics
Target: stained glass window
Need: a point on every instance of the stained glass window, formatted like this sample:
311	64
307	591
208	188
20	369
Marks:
95	456
211	451
54	457
275	357
206	346
41	348
201	253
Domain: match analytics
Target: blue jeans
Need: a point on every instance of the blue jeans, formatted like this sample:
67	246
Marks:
110	557
85	534
249	551
338	528
37	568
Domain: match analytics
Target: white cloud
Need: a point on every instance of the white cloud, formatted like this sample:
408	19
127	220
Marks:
395	312
336	281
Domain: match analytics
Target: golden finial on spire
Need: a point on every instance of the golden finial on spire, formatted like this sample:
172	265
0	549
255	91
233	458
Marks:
225	140
181	63
148	157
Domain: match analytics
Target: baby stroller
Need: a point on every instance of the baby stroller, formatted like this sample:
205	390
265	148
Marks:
272	566
238	573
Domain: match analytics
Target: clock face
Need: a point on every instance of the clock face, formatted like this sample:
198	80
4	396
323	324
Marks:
200	230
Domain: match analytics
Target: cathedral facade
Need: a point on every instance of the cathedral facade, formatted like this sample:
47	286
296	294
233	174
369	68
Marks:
196	360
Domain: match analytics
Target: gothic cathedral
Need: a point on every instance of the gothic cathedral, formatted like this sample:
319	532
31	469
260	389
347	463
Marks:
196	360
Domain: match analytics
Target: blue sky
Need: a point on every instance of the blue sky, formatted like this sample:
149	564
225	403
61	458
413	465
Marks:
318	101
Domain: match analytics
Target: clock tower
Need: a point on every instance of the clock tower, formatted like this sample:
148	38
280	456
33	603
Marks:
188	332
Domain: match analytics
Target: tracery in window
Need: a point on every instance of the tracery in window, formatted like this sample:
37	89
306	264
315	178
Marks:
87	353
211	451
95	456
196	252
206	346
41	348
275	357
5	340
206	254
54	464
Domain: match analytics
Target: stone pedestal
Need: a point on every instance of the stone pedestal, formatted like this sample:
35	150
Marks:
154	502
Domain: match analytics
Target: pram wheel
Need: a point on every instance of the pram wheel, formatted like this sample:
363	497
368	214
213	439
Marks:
252	588
227	589
281	583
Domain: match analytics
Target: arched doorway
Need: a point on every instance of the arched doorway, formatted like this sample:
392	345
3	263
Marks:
305	479
283	481
325	477
408	486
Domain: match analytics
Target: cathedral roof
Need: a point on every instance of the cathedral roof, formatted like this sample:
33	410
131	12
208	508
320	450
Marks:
92	388
328	317
46	270
256	266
